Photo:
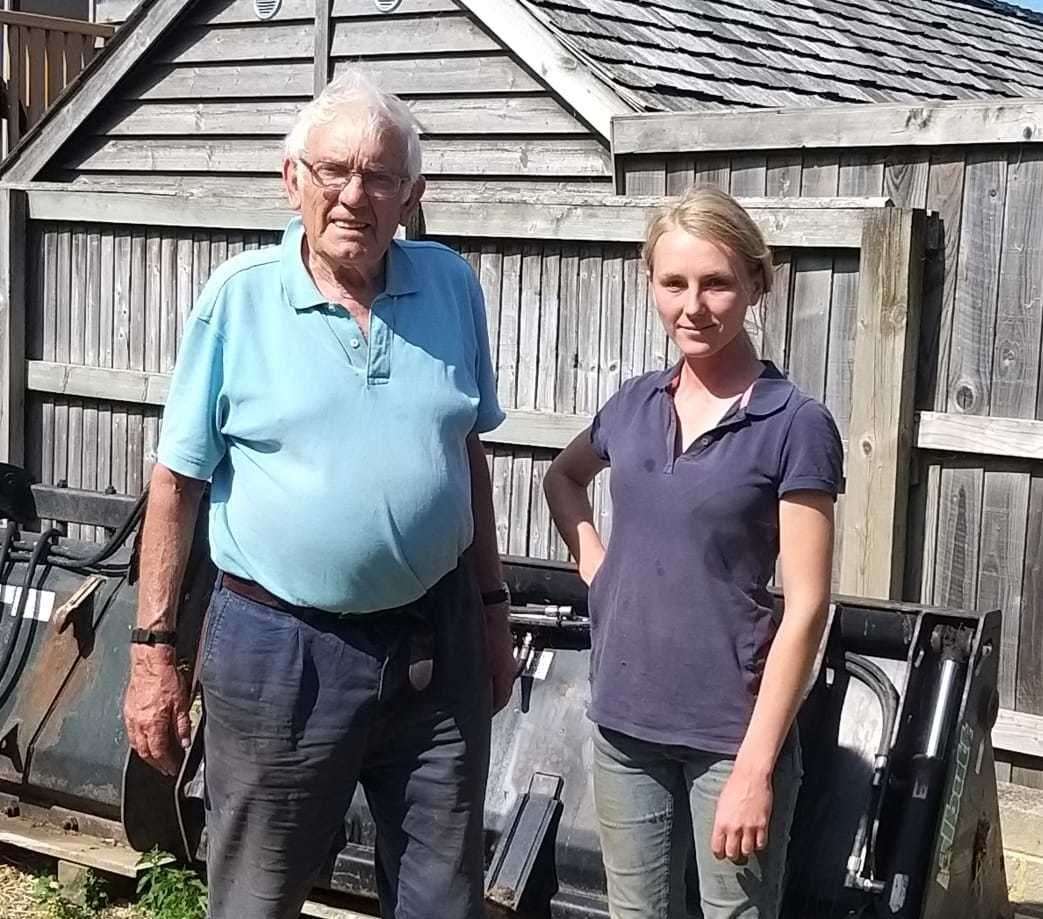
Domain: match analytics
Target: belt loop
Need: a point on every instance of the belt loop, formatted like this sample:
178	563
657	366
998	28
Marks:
220	585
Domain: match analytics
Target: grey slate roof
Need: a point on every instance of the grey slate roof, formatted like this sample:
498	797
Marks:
698	54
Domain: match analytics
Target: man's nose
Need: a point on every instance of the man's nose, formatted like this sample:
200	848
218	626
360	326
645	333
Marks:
353	191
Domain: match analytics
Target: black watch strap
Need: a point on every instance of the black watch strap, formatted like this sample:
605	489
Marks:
152	637
494	597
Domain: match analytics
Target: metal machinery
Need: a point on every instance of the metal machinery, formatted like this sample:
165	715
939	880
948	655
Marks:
897	817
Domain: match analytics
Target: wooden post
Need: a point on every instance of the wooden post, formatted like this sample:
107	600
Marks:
322	44
13	245
883	388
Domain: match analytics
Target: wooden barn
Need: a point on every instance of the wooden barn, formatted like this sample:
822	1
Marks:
890	149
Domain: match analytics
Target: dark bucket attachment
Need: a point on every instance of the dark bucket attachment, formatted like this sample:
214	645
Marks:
898	814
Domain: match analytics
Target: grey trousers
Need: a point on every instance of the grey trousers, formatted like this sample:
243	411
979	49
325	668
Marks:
643	791
302	706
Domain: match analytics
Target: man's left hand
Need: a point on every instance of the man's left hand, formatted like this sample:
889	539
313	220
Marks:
499	651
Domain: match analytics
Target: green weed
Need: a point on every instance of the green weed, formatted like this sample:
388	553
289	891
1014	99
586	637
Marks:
166	891
85	901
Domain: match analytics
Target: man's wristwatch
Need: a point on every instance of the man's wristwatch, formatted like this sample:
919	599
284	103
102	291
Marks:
496	597
152	637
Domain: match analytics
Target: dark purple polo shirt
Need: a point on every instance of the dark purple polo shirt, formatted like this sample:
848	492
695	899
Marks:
681	617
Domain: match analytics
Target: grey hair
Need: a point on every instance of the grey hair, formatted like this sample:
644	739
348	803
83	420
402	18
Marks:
353	91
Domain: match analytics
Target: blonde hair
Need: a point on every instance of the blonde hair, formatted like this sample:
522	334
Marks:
717	217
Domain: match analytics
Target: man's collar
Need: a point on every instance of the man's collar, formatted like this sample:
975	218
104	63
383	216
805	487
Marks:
771	390
299	286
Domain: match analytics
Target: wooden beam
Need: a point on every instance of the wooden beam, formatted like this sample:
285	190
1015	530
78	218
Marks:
1007	121
55	24
522	428
980	434
543	53
322	44
13	278
80	100
608	219
158	209
884	375
1018	732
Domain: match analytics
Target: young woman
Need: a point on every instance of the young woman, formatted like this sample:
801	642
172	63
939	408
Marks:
719	467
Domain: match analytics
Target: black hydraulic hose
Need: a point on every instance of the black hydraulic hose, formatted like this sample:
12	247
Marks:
113	544
39	551
871	676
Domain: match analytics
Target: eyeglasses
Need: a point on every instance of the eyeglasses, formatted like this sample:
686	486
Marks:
333	179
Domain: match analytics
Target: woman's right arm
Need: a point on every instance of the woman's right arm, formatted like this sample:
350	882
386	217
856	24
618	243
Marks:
565	486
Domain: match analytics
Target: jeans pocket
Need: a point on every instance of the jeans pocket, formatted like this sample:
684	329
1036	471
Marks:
211	629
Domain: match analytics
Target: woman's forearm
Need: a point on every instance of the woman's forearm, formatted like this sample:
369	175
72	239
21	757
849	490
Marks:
573	516
786	672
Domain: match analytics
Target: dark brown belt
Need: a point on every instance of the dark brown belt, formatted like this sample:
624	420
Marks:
418	639
254	591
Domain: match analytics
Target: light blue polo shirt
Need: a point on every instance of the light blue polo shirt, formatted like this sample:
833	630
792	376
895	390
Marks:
339	464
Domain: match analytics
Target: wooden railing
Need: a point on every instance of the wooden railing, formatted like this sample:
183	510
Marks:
41	55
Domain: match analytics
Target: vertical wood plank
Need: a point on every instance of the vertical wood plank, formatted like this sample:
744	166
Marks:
644	176
923	534
970	361
121	354
841	346
809	323
501	478
521	493
62	349
775	310
945	198
632	339
540	525
749	175
610	353
568	332
73	55
550	311
135	415
37	74
55	65
77	334
154	284
529	326
1016	357
861	173
783	178
881	426
106	323
91	345
510	300
589	329
490	278
959	532
13	281
1001	563
15	124
680	175
714	171
905	176
1029	686
34	299
50	334
820	174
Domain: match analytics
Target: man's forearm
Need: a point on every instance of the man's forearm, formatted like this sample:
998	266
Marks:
165	545
484	550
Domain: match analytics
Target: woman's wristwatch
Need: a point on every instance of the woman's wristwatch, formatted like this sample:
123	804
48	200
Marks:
495	597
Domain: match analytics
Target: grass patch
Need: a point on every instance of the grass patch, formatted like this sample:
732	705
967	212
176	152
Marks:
166	891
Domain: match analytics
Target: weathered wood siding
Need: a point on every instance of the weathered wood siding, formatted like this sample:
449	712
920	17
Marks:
976	522
111	297
209	106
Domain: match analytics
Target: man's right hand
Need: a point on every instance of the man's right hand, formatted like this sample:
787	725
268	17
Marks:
155	709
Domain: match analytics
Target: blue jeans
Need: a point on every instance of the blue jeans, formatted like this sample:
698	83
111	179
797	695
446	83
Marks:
302	705
653	802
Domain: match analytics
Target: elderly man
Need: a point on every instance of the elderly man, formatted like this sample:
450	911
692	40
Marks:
333	389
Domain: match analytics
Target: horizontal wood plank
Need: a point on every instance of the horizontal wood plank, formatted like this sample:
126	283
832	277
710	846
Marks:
845	126
522	428
55	24
159	210
243	12
1018	732
626	220
478	115
223	81
564	157
980	434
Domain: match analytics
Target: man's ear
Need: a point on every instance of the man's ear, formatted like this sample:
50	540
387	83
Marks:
291	183
411	203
